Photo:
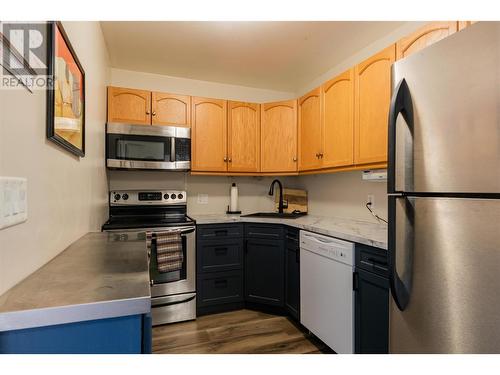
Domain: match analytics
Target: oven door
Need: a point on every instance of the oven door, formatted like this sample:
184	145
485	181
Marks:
180	281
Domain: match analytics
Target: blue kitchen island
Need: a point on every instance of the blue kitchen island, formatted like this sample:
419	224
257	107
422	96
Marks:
92	298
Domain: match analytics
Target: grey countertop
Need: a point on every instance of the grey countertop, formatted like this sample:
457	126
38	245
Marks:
96	277
359	231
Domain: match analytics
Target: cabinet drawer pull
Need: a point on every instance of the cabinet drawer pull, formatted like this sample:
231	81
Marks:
263	234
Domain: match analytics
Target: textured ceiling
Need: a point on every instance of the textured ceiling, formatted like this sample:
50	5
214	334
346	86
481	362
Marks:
272	55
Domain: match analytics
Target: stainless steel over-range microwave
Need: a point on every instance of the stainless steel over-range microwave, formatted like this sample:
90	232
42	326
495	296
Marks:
148	147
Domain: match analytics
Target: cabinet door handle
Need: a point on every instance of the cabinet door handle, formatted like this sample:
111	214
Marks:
154	113
229	160
321	155
225	159
294	159
317	155
147	112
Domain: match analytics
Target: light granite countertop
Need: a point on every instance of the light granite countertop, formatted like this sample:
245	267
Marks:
99	276
359	231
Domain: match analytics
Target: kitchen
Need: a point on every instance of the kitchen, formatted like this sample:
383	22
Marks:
252	208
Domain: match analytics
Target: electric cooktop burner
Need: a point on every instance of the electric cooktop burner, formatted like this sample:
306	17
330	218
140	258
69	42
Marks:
134	209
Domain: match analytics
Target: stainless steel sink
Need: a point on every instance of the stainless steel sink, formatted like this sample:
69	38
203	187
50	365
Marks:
284	215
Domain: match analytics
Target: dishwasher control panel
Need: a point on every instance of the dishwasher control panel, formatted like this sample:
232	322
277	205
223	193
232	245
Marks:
329	247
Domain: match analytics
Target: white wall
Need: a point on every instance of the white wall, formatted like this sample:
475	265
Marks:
177	85
343	194
66	196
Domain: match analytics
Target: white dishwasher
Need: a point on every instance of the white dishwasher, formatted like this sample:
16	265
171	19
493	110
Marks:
326	290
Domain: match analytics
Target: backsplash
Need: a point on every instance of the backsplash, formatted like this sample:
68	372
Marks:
341	194
252	191
344	194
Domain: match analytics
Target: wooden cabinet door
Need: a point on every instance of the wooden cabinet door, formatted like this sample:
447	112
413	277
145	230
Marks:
170	109
208	137
129	106
310	131
372	95
279	136
464	24
424	37
243	137
338	120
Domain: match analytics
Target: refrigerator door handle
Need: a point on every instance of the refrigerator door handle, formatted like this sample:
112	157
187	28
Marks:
401	238
401	103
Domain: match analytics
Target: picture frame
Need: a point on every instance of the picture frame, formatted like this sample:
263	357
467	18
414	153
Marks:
66	94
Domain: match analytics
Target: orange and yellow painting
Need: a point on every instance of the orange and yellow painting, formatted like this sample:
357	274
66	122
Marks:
68	94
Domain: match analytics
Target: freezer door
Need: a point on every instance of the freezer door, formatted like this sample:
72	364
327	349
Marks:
445	114
446	253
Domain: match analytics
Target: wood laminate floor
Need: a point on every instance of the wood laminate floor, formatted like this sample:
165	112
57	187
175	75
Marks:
236	332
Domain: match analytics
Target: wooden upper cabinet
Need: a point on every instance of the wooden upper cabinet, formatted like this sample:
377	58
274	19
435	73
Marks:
372	95
170	109
464	24
424	37
243	137
338	120
310	130
208	136
129	106
279	136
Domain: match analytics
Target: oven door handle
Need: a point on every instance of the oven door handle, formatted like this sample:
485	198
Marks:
172	300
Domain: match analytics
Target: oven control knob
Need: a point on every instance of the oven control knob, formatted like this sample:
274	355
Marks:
173	196
117	197
180	196
165	196
125	196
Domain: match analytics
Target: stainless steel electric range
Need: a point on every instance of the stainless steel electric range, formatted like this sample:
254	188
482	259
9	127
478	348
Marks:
132	213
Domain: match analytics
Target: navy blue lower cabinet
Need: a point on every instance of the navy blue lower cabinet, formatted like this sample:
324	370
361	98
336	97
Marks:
123	335
264	271
292	273
371	301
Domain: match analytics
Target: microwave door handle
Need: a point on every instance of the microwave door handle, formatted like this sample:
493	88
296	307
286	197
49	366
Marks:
401	103
172	149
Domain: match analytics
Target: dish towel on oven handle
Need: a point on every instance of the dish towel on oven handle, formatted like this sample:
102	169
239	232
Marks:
169	255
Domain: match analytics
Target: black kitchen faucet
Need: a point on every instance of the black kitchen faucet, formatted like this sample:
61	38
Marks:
280	198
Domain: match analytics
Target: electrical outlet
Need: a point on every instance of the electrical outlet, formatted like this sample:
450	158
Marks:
202	198
371	200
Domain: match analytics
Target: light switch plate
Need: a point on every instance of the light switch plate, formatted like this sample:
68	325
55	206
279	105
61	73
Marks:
13	201
202	198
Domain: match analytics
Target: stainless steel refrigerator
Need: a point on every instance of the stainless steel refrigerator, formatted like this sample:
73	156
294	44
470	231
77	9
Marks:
444	196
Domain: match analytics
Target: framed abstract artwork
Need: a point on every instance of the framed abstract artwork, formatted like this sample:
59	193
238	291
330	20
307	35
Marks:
66	94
